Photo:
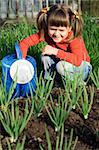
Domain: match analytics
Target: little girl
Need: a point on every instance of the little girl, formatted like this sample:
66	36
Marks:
61	27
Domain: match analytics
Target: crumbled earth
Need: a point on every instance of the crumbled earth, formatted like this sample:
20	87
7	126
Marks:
87	130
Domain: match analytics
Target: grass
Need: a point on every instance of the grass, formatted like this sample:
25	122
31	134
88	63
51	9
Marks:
91	36
95	78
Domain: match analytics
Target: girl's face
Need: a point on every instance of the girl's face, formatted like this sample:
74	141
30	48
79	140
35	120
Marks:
58	34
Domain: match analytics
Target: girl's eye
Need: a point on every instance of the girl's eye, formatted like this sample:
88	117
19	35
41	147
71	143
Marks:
62	30
56	30
53	29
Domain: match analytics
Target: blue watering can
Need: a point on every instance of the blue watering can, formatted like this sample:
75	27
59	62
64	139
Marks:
22	71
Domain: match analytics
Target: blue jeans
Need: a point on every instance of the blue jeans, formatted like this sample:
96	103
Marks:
64	68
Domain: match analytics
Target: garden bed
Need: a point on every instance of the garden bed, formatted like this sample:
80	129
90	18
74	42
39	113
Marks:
87	130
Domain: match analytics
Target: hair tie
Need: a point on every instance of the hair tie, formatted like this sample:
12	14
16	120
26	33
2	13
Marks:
76	14
45	10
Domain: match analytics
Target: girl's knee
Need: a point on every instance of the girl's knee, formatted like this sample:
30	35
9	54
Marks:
86	71
45	58
62	67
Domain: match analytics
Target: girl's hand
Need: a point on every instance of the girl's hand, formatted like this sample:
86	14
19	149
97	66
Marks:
49	50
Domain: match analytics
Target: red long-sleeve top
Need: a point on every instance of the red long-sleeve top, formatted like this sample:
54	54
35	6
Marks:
73	52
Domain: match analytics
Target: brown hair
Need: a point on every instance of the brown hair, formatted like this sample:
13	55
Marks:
60	15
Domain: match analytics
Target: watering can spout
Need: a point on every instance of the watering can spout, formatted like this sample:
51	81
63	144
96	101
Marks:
18	51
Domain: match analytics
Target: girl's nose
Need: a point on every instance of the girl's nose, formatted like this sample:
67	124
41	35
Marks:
56	32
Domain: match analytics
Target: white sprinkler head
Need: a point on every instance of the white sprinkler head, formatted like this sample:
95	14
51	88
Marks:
22	71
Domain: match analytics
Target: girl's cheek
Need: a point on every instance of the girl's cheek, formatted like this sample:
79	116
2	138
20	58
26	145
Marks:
65	34
51	33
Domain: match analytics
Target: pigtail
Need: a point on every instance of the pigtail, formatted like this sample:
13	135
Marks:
76	20
42	20
77	24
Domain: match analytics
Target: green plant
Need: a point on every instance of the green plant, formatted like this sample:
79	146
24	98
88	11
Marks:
59	111
6	97
95	78
61	142
14	122
19	146
42	92
86	101
73	88
69	144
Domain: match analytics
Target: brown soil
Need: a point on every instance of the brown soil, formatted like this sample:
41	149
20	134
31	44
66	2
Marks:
86	130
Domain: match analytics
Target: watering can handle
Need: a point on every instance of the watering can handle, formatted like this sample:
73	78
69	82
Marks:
18	51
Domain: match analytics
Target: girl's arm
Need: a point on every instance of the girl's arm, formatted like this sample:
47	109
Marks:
78	52
27	42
